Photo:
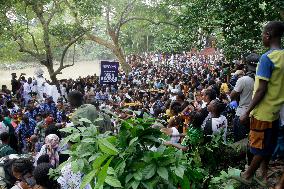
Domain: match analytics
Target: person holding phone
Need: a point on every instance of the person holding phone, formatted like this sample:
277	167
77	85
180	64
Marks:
22	170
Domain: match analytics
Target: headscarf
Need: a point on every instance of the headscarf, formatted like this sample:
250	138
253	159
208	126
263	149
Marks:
52	144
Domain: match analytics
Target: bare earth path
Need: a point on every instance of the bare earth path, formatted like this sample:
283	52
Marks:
82	69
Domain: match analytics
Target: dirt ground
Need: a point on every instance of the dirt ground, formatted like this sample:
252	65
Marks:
79	69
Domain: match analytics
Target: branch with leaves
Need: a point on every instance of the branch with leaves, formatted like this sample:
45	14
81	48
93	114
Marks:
62	66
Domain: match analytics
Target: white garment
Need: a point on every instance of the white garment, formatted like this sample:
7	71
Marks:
40	86
27	89
3	128
69	179
244	87
63	91
51	90
219	124
175	136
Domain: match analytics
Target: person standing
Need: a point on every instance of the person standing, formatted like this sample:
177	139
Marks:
28	90
266	103
16	84
244	90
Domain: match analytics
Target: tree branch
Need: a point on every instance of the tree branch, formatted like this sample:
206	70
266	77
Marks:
148	20
39	12
28	31
100	41
56	8
19	40
124	13
62	66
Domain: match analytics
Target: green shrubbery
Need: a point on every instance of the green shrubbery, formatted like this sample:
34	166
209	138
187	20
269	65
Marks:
136	157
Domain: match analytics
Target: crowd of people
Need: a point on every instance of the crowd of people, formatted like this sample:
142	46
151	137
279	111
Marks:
185	90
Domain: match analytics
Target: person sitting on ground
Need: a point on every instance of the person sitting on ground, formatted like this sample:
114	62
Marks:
215	122
209	95
43	180
22	170
24	131
51	148
195	129
175	123
87	111
5	148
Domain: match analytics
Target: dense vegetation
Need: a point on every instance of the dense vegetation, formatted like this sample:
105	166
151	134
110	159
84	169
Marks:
137	158
66	30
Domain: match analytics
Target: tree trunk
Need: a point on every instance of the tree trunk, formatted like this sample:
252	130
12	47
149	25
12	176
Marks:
52	76
121	58
115	48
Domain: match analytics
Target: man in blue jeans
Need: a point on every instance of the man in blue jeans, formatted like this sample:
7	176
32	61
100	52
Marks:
244	90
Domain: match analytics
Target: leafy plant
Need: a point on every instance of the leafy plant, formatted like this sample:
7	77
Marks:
135	158
224	180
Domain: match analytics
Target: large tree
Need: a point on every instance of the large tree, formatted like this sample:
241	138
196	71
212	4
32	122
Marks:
236	24
116	16
39	27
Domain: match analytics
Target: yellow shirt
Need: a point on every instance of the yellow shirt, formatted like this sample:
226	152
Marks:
224	88
271	69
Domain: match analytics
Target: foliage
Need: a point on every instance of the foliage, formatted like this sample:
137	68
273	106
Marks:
242	25
134	158
207	155
235	26
225	181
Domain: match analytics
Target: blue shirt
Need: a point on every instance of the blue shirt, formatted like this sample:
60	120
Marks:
26	130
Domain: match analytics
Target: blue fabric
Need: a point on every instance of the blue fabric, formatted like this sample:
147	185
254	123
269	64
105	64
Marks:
279	150
48	108
59	115
26	130
265	67
234	104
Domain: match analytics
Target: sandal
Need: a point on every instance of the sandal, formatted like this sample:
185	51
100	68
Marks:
242	179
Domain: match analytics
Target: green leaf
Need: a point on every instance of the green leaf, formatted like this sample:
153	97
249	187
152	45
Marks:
99	160
128	177
163	172
133	140
103	174
80	163
89	140
179	171
85	120
149	171
147	185
185	182
87	179
138	175
119	169
107	147
74	166
93	157
68	130
111	171
135	184
112	181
